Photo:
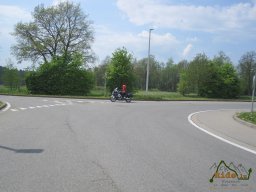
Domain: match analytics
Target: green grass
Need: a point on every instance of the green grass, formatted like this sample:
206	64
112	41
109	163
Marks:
166	96
150	95
1	104
248	116
6	90
99	92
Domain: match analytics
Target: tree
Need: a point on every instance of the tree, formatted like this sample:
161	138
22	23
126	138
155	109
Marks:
169	76
11	76
140	73
155	69
120	70
229	85
55	31
210	78
100	72
195	74
222	82
63	76
246	69
183	85
221	58
182	65
1	74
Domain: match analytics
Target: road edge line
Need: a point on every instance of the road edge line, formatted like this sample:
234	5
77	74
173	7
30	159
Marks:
216	136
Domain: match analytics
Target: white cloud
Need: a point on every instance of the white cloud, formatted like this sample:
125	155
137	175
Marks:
189	17
193	39
157	38
187	50
56	2
13	12
107	41
11	15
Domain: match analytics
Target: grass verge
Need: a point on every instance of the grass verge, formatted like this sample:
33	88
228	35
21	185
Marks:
2	105
20	91
248	116
164	96
101	93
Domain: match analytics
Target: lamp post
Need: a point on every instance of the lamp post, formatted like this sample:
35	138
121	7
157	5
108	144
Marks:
148	59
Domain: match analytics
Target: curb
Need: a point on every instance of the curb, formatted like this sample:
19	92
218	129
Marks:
233	143
248	124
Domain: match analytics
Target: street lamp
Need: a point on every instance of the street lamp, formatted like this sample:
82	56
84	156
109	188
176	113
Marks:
148	59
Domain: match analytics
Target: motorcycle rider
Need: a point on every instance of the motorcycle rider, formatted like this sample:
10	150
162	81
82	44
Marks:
124	90
121	95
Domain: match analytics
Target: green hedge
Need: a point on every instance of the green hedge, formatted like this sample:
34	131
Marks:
60	77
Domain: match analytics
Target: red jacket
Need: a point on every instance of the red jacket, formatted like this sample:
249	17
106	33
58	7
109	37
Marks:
124	88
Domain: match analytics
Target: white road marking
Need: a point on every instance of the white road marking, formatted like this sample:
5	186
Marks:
216	136
8	106
56	101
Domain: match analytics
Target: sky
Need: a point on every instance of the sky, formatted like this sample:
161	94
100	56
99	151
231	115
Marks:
182	28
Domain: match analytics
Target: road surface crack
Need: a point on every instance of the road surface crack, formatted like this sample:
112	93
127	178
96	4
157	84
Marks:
108	177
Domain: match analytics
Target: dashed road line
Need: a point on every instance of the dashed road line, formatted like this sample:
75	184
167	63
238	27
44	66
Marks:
56	103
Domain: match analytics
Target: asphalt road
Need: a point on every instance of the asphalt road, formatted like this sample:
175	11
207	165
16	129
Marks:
64	145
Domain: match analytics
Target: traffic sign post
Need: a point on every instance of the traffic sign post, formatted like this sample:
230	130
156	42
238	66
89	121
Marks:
253	92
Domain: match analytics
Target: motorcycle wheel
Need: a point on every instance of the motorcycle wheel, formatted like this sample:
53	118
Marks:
128	99
112	98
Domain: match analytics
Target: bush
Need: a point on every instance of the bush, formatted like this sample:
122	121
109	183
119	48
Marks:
217	81
60	77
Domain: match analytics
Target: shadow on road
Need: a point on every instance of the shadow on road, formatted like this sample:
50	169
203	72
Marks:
22	150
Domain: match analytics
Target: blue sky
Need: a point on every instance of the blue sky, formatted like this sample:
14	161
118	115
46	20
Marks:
182	28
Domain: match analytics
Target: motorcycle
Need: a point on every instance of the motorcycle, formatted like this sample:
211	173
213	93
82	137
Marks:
118	95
